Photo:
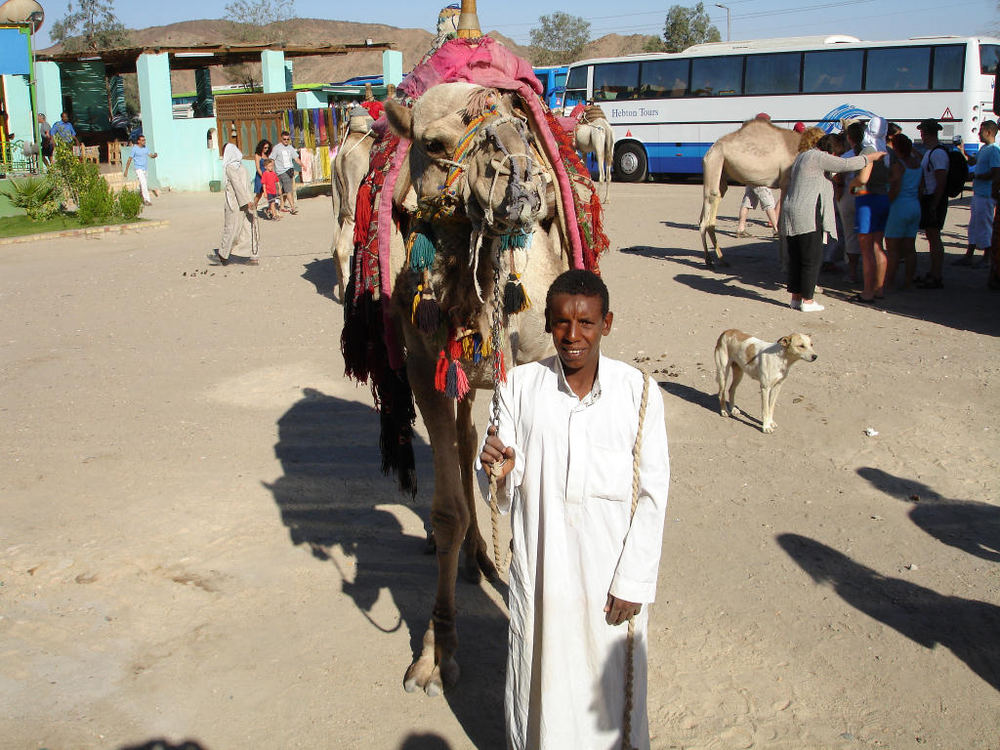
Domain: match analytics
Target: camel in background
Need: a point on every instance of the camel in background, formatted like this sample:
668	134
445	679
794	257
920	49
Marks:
349	168
759	153
593	135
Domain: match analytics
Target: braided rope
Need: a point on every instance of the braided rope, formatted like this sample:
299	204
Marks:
630	638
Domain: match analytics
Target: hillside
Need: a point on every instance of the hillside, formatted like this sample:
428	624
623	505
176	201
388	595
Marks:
413	43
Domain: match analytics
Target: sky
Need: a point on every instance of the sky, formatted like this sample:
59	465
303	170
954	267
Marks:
749	19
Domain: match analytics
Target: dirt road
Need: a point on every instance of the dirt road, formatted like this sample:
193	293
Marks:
196	542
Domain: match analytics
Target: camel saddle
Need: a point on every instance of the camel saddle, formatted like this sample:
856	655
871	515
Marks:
590	113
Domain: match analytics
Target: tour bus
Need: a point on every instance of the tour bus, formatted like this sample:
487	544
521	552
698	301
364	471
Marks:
668	109
553	80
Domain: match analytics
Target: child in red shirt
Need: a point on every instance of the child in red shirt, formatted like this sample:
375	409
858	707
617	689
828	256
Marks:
269	181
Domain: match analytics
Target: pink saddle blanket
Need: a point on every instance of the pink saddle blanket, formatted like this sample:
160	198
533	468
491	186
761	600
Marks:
568	124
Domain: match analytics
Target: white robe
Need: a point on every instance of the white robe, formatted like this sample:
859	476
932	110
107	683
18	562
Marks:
569	495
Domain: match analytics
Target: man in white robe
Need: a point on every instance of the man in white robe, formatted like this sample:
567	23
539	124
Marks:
580	565
238	215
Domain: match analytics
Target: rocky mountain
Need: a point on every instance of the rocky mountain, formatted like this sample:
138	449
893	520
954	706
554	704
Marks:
413	43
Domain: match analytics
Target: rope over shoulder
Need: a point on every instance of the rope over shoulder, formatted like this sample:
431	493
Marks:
630	638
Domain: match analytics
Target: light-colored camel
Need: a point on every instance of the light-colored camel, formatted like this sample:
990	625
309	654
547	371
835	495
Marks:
759	153
504	190
593	135
349	168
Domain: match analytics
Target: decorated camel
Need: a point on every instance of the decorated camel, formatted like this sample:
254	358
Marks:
473	203
349	168
593	135
759	153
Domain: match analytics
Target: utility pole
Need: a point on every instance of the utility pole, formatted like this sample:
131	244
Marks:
729	20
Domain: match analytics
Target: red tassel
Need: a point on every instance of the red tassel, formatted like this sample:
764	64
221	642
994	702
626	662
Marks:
454	349
461	382
441	373
362	213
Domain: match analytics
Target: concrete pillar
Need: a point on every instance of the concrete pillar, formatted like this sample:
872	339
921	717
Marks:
272	67
289	78
392	67
153	73
48	90
20	121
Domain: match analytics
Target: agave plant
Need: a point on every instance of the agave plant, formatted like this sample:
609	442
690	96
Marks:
37	196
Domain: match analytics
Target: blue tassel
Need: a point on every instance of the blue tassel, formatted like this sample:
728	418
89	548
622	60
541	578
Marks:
477	349
518	241
422	252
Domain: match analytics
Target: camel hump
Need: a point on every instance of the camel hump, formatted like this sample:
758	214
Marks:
593	112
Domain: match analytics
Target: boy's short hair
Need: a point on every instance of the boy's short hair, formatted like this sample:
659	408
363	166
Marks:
267	162
989	126
579	281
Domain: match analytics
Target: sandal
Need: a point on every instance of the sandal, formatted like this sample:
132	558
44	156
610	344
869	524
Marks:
862	300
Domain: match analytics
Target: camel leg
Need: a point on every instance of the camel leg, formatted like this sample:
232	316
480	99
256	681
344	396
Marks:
435	668
477	559
342	256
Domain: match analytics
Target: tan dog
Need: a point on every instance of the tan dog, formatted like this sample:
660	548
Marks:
740	353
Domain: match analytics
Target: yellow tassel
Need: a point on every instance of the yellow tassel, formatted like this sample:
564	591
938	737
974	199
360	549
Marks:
416	301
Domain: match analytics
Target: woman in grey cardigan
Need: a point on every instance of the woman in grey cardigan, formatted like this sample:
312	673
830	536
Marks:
807	215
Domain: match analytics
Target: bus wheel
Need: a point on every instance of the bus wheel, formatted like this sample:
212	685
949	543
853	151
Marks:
630	162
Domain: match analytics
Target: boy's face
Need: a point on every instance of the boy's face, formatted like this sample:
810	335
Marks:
142	140
577	326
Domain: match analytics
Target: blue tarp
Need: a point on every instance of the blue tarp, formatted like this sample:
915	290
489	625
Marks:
14	56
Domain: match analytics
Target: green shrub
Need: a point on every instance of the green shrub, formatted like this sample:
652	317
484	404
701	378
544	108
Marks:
37	196
72	177
97	203
129	205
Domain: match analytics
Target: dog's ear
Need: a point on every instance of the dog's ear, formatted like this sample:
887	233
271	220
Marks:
785	341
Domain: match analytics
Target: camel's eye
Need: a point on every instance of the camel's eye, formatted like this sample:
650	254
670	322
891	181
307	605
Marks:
434	147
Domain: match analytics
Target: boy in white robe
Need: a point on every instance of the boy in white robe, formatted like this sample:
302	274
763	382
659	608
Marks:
580	565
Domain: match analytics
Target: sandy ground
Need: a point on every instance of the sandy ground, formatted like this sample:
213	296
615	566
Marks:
196	541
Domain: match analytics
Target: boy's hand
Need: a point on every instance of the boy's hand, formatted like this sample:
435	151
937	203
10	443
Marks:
493	451
619	611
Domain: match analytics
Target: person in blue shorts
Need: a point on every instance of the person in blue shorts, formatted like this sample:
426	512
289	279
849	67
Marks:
871	209
904	211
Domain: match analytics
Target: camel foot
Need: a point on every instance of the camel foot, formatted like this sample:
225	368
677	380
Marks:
434	671
735	412
769	427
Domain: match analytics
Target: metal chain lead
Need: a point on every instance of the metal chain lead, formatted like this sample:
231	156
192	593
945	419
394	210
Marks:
496	338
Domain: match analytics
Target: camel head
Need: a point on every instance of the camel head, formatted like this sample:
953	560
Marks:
473	153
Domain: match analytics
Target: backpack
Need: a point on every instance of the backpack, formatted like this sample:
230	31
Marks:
958	172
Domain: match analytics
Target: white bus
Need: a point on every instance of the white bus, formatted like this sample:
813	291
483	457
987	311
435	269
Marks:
668	109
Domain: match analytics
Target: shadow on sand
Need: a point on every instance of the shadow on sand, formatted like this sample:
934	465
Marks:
328	448
966	627
968	525
964	304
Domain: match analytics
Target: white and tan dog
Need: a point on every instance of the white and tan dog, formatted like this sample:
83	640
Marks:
740	353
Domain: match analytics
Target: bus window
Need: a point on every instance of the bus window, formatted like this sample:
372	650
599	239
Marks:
717	76
898	69
663	79
773	74
989	55
949	68
832	72
576	86
616	81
